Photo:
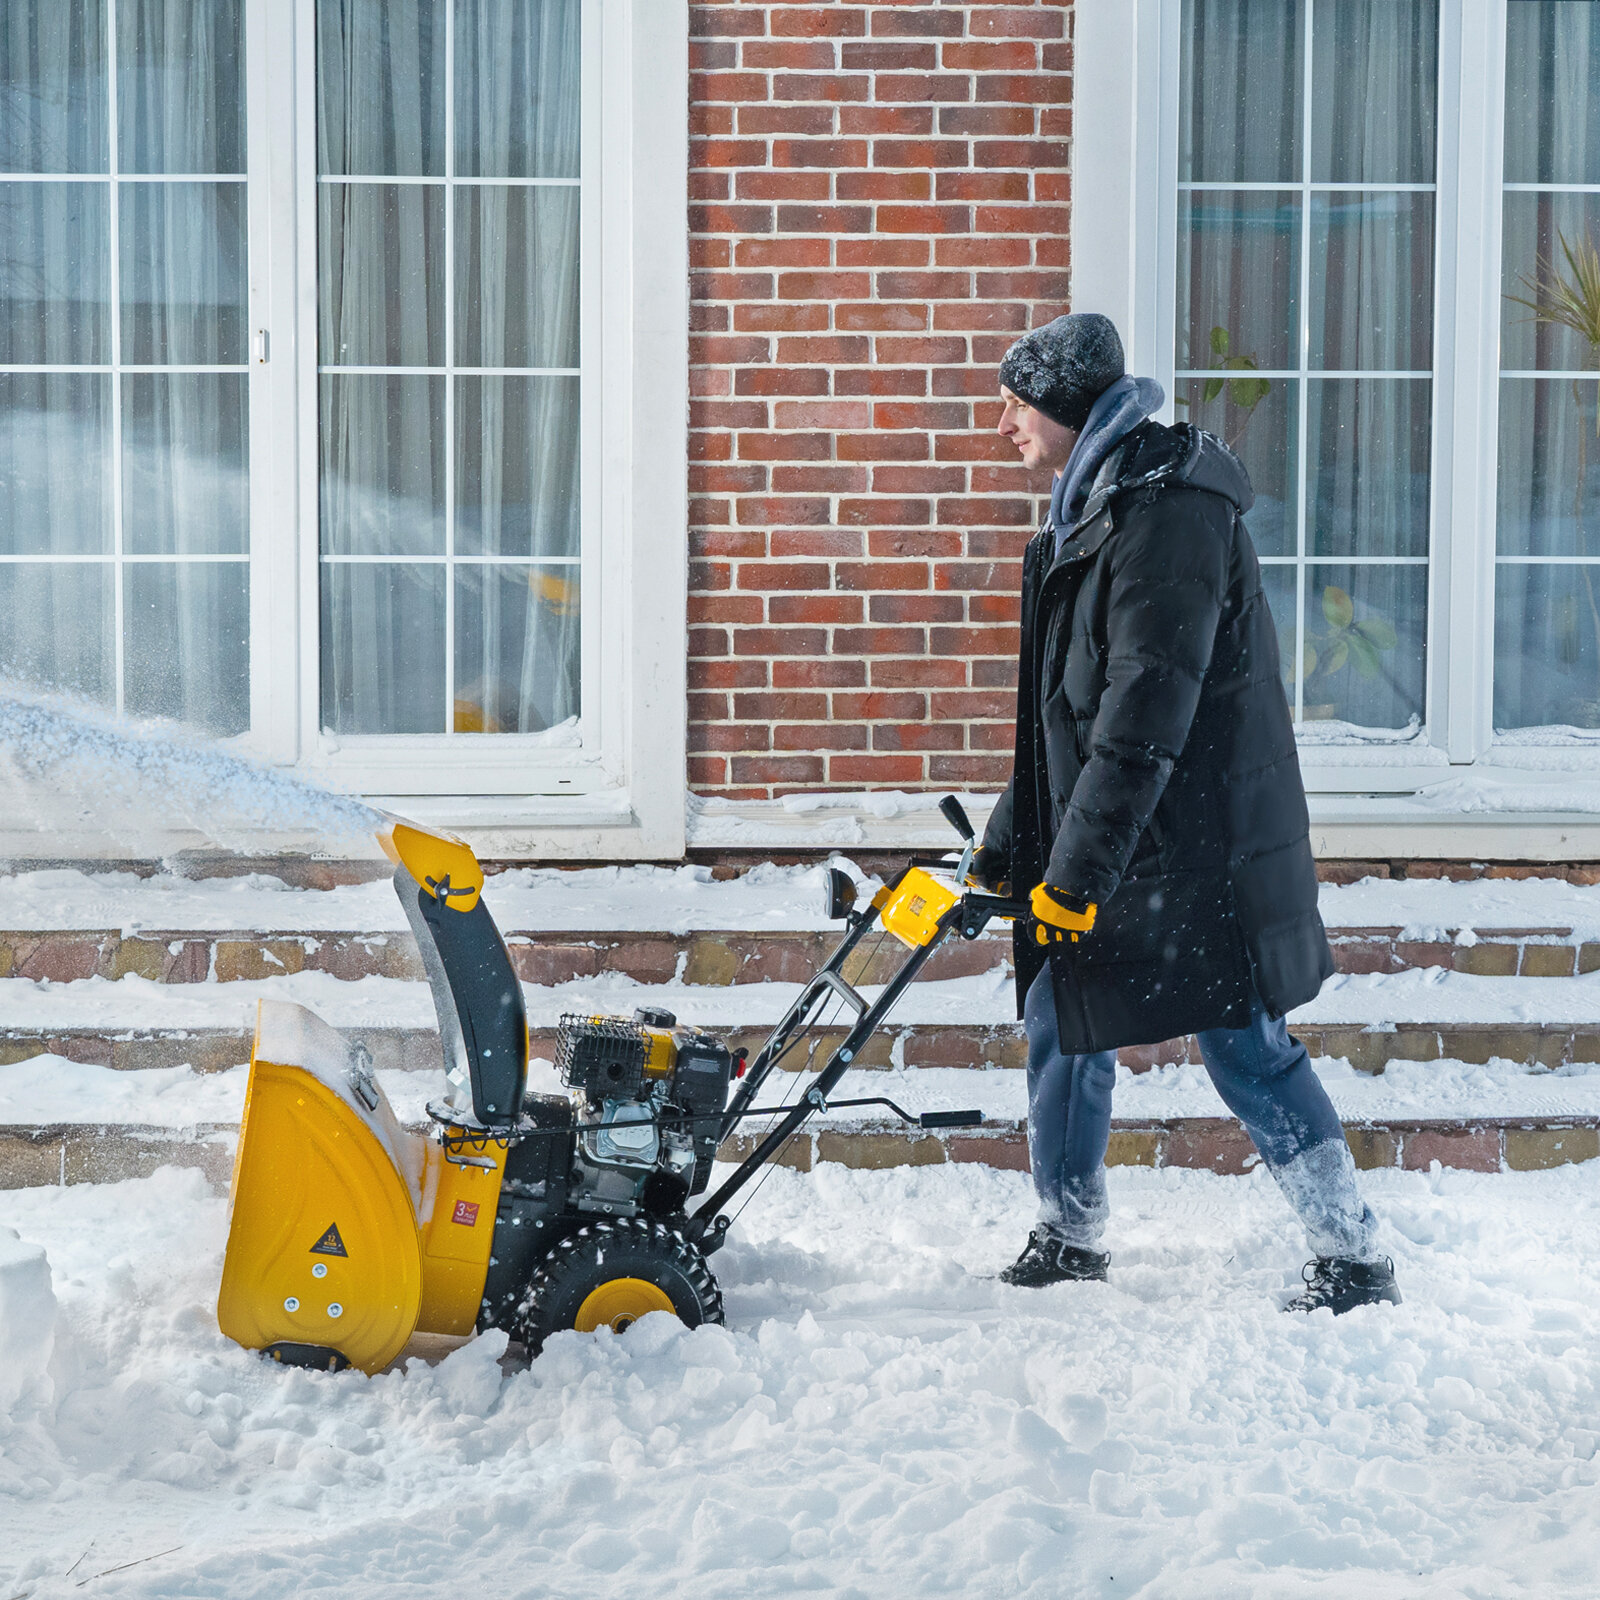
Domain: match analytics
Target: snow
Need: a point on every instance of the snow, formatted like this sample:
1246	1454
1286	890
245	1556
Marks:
879	1417
27	1325
588	900
1425	995
907	820
678	900
51	1091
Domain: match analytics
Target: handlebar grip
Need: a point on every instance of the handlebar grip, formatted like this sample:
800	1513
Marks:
951	1119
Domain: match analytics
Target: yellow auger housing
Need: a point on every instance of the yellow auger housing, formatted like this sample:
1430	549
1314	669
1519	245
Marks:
348	1234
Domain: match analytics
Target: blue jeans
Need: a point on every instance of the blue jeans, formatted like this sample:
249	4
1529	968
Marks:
1266	1081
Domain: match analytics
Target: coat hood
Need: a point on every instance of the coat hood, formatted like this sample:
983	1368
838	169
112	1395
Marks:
1182	456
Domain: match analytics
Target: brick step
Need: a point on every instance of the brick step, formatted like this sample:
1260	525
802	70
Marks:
710	958
910	1044
32	1156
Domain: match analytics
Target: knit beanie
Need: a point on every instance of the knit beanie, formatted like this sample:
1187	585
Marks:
1062	368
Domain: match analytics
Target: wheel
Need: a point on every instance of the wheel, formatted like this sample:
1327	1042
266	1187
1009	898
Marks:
609	1274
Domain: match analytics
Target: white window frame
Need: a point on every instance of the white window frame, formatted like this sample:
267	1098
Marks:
1124	263
621	792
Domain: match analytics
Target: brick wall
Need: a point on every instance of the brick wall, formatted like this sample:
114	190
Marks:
878	206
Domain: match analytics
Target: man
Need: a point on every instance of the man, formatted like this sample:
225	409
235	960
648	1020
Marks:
1156	811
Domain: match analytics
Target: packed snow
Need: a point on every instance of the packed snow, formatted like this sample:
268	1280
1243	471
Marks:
681	900
880	1416
50	1091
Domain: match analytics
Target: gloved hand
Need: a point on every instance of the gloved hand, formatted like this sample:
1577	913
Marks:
1059	916
990	870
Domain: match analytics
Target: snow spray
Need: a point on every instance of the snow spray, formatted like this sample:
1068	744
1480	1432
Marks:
67	767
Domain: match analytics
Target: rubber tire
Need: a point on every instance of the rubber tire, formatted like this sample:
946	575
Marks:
625	1247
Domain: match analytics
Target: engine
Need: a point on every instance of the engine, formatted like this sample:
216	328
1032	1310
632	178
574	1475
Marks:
648	1098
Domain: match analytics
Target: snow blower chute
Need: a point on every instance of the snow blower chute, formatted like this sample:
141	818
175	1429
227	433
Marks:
529	1212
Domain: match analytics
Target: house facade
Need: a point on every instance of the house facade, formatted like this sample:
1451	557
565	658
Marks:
572	420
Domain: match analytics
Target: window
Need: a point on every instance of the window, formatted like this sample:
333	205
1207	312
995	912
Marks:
1304	322
1547	570
1363	245
309	313
124	367
448	234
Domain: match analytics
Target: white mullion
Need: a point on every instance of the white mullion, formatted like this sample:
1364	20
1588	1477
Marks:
460	372
1303	399
1234	373
1219	185
449	369
115	246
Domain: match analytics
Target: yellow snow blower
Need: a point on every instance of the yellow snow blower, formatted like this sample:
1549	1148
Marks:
533	1213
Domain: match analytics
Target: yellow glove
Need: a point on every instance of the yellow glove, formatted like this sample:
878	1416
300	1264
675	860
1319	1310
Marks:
1058	916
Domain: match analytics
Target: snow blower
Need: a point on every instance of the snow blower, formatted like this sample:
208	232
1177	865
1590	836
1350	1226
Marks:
530	1212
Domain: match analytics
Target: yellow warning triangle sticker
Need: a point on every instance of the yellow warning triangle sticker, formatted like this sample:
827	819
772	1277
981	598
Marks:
330	1244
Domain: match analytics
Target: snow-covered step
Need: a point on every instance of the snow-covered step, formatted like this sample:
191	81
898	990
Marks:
657	924
65	1121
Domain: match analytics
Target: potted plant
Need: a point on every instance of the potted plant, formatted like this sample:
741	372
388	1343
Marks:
1345	644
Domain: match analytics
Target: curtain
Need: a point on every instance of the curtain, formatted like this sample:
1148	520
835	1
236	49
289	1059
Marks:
1352	624
512	247
180	286
1547	616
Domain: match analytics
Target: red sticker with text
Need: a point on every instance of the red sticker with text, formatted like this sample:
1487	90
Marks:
466	1214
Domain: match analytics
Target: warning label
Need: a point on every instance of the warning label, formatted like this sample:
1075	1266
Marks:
466	1213
330	1244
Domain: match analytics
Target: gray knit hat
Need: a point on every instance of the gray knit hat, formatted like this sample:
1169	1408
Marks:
1062	368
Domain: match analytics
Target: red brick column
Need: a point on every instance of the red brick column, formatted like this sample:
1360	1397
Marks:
878	206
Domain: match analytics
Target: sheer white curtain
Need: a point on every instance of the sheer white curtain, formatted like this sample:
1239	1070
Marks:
180	287
1345	542
1547	611
423	587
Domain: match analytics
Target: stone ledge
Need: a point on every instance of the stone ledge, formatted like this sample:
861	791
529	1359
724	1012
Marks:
72	1153
711	958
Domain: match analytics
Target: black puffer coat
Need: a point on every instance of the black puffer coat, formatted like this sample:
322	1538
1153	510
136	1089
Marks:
1155	770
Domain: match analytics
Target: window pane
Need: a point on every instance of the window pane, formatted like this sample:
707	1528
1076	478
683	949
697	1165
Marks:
185	463
382	647
53	95
1257	418
186	642
1367	454
380	251
1365	633
180	86
58	632
517	88
380	87
1241	74
1552	91
1372	285
1374	74
383	466
1539	231
517	277
55	273
55	463
1546	646
1238	278
517	466
517	654
183	273
1549	467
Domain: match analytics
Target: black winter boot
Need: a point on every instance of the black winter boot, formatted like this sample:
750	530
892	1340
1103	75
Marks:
1047	1260
1342	1284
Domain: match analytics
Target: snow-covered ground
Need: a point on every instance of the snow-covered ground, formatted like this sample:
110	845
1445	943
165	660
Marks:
880	1417
680	900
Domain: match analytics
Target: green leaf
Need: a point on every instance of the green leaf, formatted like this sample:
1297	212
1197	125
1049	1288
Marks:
1213	389
1308	660
1248	393
1379	633
1364	657
1219	341
1337	656
1337	607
